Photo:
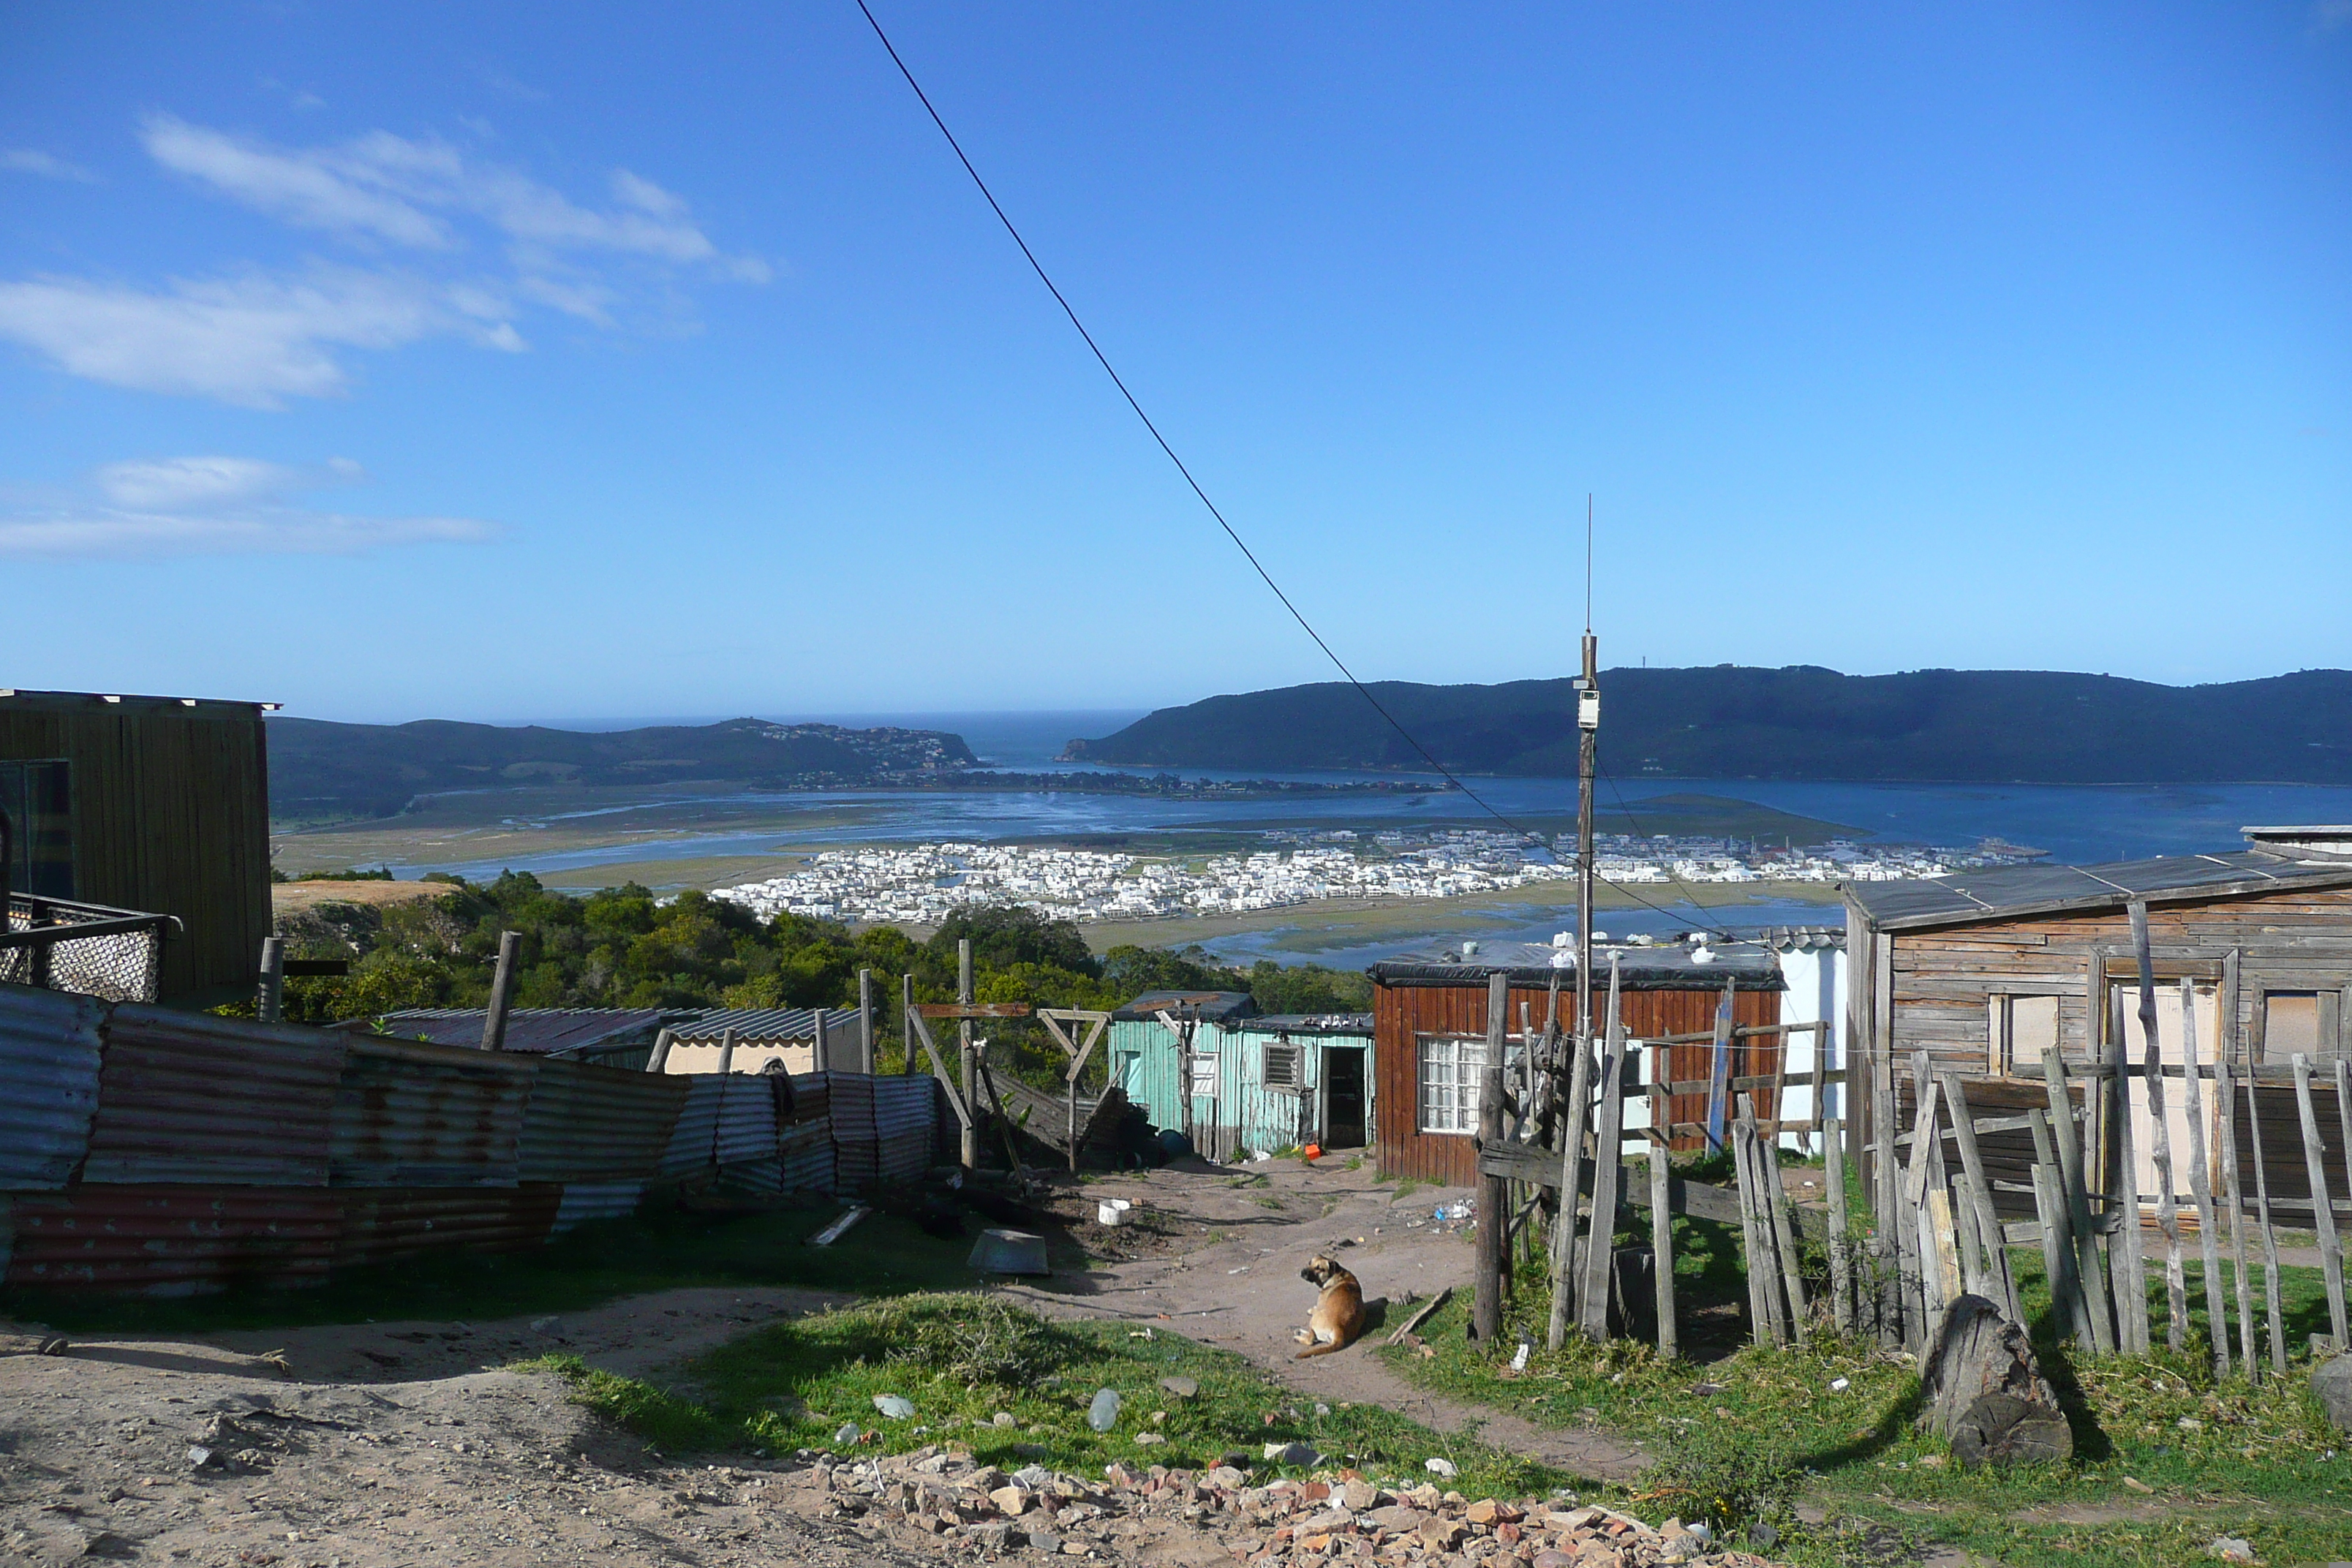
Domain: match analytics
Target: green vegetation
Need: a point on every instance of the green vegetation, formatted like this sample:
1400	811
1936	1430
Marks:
1746	1437
655	1251
961	1359
1803	722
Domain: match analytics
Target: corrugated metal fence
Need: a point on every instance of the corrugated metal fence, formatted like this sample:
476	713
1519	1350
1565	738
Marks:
148	1150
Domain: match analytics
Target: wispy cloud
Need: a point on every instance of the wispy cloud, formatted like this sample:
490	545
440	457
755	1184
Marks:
253	340
484	243
33	161
211	506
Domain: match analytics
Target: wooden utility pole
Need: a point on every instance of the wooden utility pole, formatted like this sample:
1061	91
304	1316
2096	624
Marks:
493	1026
964	1034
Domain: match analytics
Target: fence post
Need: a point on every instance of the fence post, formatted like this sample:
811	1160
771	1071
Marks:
821	1056
970	1150
1494	1199
493	1026
269	1006
866	1022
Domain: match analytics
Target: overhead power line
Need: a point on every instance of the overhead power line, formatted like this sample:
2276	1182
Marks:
1194	485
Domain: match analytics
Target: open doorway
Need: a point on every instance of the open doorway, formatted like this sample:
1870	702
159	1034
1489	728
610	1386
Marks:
1343	1097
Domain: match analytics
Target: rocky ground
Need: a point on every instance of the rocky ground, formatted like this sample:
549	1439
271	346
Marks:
401	1442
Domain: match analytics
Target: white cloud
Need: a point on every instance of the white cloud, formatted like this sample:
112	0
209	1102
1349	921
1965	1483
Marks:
32	161
257	340
303	190
211	506
252	340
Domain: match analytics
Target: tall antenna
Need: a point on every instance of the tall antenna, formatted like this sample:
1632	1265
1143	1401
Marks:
1588	560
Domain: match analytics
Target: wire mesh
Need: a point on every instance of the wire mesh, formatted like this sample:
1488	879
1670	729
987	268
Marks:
115	965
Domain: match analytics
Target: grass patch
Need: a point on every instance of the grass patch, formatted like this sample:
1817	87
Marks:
2221	1458
655	1251
961	1359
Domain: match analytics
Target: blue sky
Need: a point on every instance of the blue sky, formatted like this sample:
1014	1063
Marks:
551	361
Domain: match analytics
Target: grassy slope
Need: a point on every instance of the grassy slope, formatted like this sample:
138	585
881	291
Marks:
2257	1463
960	1360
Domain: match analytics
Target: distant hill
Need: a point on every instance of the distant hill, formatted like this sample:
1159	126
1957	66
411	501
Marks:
1802	723
318	769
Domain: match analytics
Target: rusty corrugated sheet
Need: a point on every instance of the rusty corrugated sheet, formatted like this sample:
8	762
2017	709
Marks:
410	1114
591	1123
173	1240
693	1140
584	1201
188	1098
48	1084
747	1119
385	1223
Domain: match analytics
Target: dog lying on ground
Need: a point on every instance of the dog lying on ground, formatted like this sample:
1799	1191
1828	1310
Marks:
1338	1314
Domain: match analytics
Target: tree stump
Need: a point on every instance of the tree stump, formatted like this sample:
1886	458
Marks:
1985	1395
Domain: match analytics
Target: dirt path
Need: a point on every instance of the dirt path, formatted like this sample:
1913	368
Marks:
1238	1287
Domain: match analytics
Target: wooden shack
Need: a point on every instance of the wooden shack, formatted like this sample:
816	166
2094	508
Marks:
159	804
1428	1017
1983	969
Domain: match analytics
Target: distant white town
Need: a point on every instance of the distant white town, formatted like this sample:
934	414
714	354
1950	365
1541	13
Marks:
922	884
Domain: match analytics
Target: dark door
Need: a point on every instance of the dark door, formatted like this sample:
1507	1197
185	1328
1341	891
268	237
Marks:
1343	1097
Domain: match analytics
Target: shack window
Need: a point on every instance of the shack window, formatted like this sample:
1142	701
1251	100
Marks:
38	797
2020	1029
1281	1064
1450	1067
2299	1023
1203	1076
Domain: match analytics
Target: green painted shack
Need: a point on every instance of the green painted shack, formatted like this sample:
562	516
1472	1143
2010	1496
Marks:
1253	1083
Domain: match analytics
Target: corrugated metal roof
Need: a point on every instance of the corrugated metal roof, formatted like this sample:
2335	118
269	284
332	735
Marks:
588	1124
1311	1024
760	1025
381	1225
410	1114
2011	891
48	1084
1216	1006
531	1031
188	1098
173	1240
1659	968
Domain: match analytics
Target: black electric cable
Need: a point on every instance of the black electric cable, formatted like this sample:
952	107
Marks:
1194	485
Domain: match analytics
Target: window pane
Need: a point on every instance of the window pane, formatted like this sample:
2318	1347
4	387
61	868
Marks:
2290	1025
2033	1027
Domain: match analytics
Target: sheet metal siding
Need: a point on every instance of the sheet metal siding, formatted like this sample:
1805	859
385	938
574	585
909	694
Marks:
173	1240
906	1123
806	1159
48	1084
587	1123
171	809
1401	1013
586	1201
747	1119
184	1098
693	1141
384	1224
857	1145
409	1114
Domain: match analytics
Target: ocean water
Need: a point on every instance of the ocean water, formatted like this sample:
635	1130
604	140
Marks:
2076	824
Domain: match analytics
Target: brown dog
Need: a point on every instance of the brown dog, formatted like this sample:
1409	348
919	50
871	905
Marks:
1338	1314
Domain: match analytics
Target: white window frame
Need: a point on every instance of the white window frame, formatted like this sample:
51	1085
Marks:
1464	1058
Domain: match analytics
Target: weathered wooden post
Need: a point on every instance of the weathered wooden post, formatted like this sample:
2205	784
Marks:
1662	1250
2167	1208
2200	1180
963	1034
1718	1071
726	1051
906	1023
1979	1192
822	1054
1573	1124
866	1022
659	1058
1486	1299
2271	1303
2323	1207
1608	1163
2234	1193
493	1026
2125	1254
2068	1137
1841	1260
269	1004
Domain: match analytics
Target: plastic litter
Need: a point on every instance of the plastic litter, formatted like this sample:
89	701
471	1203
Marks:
1440	1468
1103	1414
893	1407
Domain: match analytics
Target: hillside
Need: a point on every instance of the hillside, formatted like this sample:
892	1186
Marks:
318	769
1801	722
